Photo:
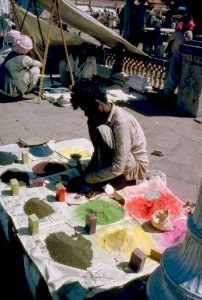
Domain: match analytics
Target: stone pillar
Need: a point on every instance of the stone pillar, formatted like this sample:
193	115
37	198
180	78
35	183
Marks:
189	98
179	276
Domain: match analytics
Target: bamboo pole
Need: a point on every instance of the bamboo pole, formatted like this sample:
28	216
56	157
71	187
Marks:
25	15
46	51
13	7
39	24
64	43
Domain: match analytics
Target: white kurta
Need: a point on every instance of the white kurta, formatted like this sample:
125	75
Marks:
129	156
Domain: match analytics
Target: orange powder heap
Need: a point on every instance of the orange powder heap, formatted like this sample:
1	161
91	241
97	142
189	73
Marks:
142	208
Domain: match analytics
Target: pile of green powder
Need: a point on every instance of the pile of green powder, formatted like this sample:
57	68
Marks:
21	176
38	207
105	212
7	158
72	251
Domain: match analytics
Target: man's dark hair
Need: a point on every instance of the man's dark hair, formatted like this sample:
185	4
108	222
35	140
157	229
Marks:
86	91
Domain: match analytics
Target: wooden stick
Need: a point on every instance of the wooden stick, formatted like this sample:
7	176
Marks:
46	51
36	52
25	15
13	7
39	25
65	46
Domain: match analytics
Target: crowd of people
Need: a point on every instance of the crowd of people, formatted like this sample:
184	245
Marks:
106	17
140	23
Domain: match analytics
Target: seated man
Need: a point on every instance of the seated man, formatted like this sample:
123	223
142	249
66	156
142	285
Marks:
83	65
118	139
19	73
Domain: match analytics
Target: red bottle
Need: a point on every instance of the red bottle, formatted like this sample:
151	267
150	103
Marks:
60	192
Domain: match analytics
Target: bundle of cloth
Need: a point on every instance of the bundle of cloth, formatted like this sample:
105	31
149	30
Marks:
19	73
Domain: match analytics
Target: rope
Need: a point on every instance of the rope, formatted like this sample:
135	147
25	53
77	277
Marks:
13	7
39	24
65	46
46	51
23	21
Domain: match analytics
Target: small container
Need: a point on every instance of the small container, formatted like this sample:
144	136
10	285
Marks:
36	182
33	224
91	223
25	157
60	192
14	184
137	260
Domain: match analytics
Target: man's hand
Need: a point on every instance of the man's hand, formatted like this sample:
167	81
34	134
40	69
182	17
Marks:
75	183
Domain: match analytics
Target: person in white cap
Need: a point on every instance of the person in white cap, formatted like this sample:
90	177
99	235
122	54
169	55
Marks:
19	73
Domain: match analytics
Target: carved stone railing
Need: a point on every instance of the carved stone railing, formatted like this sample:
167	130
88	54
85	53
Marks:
135	64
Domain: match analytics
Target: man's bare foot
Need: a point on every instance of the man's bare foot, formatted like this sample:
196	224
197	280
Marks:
28	96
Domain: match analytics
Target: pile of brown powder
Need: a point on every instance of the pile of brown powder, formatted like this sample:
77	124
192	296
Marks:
38	207
74	251
21	176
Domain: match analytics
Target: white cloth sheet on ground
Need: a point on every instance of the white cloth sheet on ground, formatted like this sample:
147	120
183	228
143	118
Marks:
116	93
104	272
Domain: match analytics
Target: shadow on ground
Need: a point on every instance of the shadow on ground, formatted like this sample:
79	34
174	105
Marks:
155	105
6	99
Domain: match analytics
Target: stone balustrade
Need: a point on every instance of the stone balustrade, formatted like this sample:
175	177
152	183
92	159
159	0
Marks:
189	97
134	64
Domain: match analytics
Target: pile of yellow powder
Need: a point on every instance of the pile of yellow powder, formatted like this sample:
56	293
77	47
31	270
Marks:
122	241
